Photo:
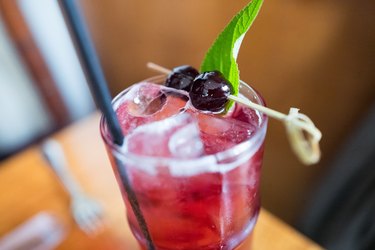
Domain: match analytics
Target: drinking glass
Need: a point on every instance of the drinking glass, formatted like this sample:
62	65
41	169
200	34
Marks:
208	202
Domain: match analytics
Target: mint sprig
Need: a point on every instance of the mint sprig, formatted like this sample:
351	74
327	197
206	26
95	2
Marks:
222	55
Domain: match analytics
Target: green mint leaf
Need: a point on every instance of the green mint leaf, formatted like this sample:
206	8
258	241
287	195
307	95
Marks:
222	56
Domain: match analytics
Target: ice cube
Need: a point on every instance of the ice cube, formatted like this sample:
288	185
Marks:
174	137
145	103
186	142
221	133
145	99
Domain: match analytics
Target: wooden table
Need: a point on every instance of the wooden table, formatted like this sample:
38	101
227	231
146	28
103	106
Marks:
28	186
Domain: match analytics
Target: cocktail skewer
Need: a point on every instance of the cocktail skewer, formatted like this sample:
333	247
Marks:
303	136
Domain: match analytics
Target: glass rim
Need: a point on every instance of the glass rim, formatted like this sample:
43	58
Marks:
216	158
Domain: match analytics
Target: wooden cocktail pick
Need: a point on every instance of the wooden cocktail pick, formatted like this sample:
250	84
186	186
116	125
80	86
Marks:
303	136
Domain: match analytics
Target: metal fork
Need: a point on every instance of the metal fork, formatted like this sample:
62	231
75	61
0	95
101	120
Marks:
86	211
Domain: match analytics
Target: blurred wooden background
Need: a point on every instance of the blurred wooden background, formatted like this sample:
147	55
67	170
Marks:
316	55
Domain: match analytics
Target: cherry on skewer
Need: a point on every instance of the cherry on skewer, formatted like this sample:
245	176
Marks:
182	77
210	92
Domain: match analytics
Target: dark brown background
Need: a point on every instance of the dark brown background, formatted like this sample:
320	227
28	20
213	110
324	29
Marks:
316	55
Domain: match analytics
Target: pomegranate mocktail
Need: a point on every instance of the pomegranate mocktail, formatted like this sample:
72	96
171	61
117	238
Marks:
195	173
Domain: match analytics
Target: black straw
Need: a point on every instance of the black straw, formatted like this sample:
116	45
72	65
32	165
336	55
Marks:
99	88
93	69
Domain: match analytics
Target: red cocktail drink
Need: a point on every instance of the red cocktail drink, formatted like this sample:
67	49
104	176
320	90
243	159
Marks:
195	174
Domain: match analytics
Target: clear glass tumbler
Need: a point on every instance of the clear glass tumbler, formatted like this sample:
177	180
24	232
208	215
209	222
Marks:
206	202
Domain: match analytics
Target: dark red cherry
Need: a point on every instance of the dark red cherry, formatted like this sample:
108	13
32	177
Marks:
210	91
181	77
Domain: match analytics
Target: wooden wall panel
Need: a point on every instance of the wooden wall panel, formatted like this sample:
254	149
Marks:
315	55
